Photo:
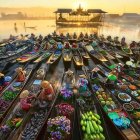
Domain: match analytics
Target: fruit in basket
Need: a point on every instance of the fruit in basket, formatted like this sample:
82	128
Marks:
103	102
101	99
91	126
99	96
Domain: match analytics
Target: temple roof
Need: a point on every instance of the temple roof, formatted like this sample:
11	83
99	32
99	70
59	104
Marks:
63	11
95	11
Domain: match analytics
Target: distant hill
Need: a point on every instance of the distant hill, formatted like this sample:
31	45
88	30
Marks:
31	11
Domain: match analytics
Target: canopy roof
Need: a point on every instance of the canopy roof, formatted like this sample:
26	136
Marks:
81	11
95	11
63	11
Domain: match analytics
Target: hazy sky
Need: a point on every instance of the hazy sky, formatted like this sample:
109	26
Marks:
113	6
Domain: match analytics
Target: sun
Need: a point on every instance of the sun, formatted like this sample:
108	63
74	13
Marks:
82	3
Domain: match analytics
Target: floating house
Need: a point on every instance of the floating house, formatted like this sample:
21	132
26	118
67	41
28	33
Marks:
79	17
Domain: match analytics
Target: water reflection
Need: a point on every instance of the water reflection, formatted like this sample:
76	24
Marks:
44	27
15	28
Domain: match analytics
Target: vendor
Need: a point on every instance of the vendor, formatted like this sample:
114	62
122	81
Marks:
67	45
2	79
25	100
20	75
59	46
82	84
86	36
47	93
81	35
123	43
69	79
74	36
94	76
74	46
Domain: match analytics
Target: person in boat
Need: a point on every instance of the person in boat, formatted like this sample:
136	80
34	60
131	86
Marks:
86	36
46	96
74	36
25	100
67	45
59	46
123	43
81	35
82	84
116	40
69	79
119	69
20	75
74	46
2	79
68	36
54	33
94	44
94	76
40	38
133	45
62	35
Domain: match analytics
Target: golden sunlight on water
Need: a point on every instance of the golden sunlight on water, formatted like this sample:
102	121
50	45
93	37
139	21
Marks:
44	27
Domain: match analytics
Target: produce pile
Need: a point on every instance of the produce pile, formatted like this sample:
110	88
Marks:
64	109
91	126
58	128
31	130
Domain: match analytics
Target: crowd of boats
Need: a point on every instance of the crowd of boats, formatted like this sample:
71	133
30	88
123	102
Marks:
100	93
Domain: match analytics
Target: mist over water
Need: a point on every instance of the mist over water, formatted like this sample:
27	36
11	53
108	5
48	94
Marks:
44	27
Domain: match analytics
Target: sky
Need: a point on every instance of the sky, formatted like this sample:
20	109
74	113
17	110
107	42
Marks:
110	6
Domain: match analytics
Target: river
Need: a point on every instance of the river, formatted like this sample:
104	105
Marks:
7	27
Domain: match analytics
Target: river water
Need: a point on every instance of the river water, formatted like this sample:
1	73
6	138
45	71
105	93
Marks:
7	27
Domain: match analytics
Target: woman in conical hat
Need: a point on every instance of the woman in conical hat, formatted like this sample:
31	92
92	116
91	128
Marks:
69	78
25	100
48	92
20	74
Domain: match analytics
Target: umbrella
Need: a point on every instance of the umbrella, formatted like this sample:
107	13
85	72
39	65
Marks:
129	63
112	66
112	77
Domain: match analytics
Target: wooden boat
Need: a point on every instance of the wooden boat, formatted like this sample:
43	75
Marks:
127	133
54	57
89	106
14	88
12	73
28	57
15	112
40	121
54	113
95	54
83	53
105	54
77	58
13	55
43	57
67	55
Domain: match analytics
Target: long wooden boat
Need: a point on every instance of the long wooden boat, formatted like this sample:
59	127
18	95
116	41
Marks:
38	118
43	57
16	112
95	54
11	93
67	55
54	113
12	73
77	58
28	57
125	133
54	57
83	53
86	104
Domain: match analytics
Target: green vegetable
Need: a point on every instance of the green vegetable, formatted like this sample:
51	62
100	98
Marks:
100	128
88	128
